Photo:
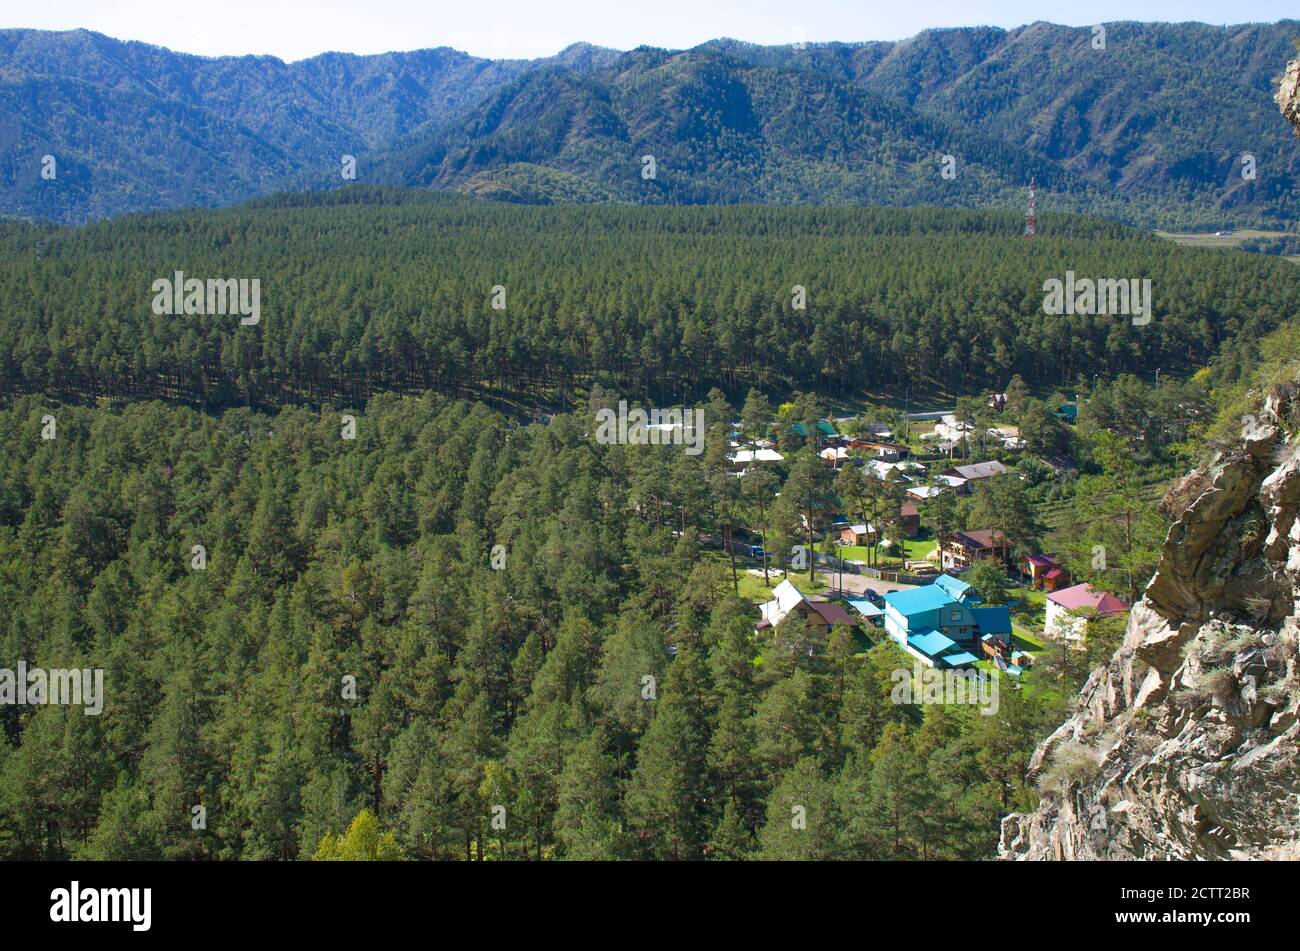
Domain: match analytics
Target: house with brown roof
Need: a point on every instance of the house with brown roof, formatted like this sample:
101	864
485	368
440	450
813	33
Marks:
881	449
788	600
909	519
963	549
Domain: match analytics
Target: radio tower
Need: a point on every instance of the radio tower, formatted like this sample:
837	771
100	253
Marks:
1029	212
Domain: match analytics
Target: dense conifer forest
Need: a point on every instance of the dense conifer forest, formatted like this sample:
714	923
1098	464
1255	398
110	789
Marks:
520	687
334	575
363	292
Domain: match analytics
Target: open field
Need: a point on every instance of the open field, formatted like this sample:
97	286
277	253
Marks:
1193	239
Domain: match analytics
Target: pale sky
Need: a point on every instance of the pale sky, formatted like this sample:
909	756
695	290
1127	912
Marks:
295	29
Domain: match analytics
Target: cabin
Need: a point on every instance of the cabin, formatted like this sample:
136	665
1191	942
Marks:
860	534
834	456
788	600
1044	572
976	471
885	451
744	458
963	549
909	520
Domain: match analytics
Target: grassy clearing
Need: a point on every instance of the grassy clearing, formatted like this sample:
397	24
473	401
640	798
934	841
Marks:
1225	242
915	549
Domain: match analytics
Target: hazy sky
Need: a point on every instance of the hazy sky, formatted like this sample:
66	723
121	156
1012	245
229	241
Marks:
294	29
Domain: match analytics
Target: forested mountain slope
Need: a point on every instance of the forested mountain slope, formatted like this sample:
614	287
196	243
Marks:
1151	129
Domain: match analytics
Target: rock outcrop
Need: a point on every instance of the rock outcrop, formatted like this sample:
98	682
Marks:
1288	94
1186	745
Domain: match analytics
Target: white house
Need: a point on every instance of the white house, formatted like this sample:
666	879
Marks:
1069	608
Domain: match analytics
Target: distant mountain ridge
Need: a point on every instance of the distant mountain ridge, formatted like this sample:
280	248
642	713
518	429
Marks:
1152	129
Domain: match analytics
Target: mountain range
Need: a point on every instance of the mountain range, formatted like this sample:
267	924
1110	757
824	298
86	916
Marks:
1165	125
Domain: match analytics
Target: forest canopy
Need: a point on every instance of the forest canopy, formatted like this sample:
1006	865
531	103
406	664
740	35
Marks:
369	290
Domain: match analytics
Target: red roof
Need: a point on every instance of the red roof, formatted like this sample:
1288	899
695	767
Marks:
1082	596
908	510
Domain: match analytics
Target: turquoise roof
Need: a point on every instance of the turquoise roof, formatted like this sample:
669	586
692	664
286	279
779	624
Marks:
958	660
992	620
931	643
800	430
954	586
919	600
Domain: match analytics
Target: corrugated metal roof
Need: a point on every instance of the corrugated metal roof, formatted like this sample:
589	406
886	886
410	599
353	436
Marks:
931	643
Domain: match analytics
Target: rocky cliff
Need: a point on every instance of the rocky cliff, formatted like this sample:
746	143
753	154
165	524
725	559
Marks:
1184	746
1288	94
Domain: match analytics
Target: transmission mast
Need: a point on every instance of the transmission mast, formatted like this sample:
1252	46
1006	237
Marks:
1030	210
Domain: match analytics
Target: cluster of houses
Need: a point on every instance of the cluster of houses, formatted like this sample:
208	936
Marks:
950	432
943	624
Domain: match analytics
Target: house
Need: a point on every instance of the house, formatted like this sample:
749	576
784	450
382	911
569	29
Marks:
1007	436
887	451
1044	571
997	401
1060	466
962	549
937	623
909	519
787	600
834	455
1069	610
1068	412
745	457
860	534
951	429
824	429
977	470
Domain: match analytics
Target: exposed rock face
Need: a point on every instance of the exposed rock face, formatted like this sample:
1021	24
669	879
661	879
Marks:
1186	745
1288	94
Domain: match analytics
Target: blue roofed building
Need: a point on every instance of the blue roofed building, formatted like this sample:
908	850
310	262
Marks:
953	586
940	623
995	621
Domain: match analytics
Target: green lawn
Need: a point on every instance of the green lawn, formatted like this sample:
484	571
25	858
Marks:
915	550
753	589
1028	640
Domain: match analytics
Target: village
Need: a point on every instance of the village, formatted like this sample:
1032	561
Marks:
908	575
